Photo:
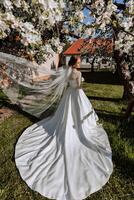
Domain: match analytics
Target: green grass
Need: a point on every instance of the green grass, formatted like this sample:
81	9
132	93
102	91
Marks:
106	100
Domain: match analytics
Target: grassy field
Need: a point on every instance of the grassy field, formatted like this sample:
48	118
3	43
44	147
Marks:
106	99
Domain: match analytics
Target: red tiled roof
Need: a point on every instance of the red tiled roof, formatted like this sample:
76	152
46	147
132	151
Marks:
90	45
75	47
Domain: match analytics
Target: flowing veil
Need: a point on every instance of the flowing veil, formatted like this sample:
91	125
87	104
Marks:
35	88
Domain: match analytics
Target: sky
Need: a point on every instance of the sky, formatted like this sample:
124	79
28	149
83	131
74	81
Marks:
118	1
88	18
86	12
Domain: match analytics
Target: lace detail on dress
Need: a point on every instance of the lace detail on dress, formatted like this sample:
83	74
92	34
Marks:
75	78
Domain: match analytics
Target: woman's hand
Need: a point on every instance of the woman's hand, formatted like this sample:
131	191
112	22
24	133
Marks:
82	79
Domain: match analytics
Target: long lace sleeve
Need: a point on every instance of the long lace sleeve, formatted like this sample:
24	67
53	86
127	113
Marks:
75	78
79	79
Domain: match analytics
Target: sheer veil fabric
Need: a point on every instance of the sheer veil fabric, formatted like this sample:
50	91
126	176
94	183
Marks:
20	81
66	156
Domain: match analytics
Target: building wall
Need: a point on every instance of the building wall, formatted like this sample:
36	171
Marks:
52	62
98	64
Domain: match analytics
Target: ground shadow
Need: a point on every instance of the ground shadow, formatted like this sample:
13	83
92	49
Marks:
104	98
102	77
127	129
5	102
124	164
16	108
109	116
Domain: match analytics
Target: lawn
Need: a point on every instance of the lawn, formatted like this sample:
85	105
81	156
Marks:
106	99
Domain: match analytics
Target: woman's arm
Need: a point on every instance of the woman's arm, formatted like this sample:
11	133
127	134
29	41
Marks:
79	79
41	78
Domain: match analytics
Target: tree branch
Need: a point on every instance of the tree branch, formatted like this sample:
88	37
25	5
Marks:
122	29
71	34
120	6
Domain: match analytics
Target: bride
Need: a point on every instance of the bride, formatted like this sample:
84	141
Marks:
66	156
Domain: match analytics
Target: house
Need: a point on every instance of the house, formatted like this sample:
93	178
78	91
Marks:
95	51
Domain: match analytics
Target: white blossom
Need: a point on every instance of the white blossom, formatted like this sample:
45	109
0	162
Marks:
48	4
47	48
99	3
52	4
30	38
7	4
127	23
8	16
58	16
62	4
48	14
79	15
130	5
56	42
59	49
28	27
16	24
3	26
51	20
111	7
89	31
17	3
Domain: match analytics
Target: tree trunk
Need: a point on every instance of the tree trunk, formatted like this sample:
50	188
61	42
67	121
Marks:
124	72
92	64
129	108
126	90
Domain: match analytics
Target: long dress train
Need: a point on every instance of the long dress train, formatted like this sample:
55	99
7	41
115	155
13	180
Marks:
66	156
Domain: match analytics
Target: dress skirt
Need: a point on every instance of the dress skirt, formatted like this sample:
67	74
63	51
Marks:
66	156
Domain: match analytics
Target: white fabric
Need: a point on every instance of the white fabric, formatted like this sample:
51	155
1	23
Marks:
66	156
35	88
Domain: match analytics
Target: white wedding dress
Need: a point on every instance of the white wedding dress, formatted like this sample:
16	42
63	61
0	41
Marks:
66	156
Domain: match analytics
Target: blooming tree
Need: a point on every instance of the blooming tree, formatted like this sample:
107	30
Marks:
50	20
44	26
